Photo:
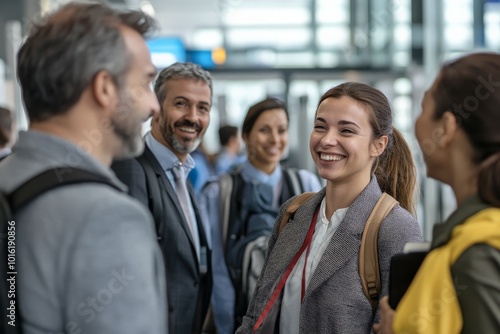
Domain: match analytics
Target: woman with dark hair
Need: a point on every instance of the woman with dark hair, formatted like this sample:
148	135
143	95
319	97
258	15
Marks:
457	288
360	155
265	133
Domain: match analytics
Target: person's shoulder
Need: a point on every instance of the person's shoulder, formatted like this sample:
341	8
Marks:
400	222
96	198
309	180
125	164
213	186
114	210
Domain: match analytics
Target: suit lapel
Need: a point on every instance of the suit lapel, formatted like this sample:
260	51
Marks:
346	241
167	186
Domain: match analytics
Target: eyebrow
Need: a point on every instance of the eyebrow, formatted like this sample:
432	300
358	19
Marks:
344	122
341	122
186	99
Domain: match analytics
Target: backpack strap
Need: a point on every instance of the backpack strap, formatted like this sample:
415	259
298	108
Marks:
51	179
294	205
369	270
293	179
226	188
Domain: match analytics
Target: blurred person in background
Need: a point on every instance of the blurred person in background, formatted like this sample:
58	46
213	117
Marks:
457	287
230	153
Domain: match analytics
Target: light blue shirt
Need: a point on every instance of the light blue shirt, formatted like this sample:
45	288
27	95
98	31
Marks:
223	295
169	160
291	303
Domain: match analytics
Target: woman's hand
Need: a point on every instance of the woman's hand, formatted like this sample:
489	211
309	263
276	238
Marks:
386	318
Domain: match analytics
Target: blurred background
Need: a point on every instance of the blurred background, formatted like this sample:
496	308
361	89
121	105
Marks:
296	50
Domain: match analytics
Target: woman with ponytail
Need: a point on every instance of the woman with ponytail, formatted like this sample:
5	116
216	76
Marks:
457	288
360	154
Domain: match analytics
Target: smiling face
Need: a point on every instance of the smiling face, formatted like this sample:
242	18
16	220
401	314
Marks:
342	144
267	140
184	116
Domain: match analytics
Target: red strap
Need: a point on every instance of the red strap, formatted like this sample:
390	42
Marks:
288	270
303	287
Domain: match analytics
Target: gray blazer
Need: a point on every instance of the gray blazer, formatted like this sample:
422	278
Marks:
334	301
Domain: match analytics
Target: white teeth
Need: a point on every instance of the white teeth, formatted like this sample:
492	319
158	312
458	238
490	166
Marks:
190	130
330	157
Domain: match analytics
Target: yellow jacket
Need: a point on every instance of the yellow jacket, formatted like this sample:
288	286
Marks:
430	305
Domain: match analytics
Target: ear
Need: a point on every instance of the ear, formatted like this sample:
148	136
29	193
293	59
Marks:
244	136
449	129
379	145
104	90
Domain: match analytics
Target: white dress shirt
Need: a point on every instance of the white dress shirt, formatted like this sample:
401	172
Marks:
291	303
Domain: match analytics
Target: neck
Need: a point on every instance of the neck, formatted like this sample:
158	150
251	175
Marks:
90	138
464	185
342	194
462	173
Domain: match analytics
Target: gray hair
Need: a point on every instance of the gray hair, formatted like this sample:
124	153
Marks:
180	71
63	53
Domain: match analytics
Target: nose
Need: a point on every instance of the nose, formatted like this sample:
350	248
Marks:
275	136
330	138
192	114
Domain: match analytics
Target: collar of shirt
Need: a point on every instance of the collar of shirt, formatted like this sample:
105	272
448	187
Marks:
166	157
337	217
250	173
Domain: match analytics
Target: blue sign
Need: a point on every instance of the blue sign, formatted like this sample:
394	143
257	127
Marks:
166	50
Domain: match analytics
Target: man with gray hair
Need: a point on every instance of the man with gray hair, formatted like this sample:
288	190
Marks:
158	179
86	256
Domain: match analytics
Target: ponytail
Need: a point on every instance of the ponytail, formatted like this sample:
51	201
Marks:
489	180
395	172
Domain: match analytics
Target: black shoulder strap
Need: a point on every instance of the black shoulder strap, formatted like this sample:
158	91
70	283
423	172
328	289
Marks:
231	201
154	193
51	179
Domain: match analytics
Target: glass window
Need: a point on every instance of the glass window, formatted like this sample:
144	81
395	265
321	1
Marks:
266	16
207	39
280	38
332	37
458	36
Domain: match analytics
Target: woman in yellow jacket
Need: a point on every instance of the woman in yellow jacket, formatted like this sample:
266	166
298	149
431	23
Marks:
457	288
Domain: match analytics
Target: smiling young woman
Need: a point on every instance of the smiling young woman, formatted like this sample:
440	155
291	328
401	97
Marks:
360	155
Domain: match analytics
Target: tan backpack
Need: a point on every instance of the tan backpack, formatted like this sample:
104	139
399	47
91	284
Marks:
369	270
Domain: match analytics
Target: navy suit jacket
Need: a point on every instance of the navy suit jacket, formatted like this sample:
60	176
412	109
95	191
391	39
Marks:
188	290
